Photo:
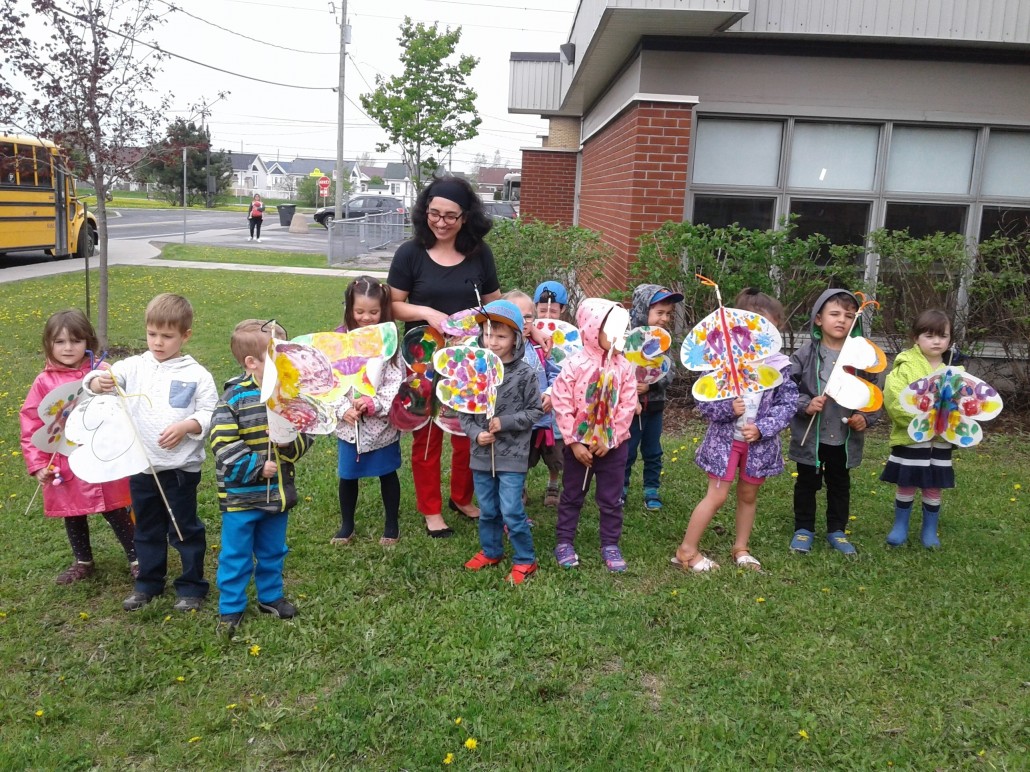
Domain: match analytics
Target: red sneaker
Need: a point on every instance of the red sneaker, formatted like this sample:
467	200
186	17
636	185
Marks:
480	560
521	571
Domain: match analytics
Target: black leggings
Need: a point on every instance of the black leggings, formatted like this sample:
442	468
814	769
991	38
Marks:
77	528
255	226
390	488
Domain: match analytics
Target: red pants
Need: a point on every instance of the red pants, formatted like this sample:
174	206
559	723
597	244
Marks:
425	468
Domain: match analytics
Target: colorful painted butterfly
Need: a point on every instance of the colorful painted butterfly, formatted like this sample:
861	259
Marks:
353	353
462	324
54	410
948	403
731	344
565	338
594	421
467	378
299	384
645	350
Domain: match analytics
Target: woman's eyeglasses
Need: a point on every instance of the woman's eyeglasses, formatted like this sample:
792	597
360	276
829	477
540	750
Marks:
448	217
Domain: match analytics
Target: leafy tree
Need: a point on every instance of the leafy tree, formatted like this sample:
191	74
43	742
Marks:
83	81
164	166
307	192
429	107
376	180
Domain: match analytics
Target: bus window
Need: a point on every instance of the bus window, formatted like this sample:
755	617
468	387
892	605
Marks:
26	166
7	163
44	171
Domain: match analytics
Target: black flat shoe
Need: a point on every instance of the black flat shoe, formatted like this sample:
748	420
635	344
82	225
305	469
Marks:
453	506
441	533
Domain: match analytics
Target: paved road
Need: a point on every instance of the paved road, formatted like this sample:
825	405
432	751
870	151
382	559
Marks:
133	233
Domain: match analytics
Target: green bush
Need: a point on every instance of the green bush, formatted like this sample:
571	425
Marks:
528	252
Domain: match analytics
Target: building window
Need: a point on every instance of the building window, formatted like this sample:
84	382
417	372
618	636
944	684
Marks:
721	211
922	220
737	152
930	160
1012	222
1007	166
839	156
842	222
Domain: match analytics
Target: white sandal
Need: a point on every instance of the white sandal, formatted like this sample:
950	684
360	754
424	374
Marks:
745	559
703	566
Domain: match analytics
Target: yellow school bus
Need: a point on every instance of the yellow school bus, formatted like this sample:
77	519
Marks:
39	209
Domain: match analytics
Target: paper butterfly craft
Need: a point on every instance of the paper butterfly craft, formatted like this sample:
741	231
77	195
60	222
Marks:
731	343
565	338
354	355
594	422
947	404
467	378
54	410
299	384
106	444
418	346
462	324
416	403
645	350
847	389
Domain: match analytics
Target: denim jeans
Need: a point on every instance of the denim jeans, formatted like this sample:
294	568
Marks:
645	433
500	504
155	531
253	544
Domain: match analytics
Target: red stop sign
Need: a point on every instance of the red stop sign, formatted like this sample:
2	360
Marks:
323	186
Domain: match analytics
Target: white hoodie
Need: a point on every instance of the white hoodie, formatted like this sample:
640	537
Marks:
159	394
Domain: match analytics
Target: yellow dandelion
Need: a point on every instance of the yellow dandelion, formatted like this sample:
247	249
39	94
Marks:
307	498
793	474
180	679
675	458
852	517
861	589
759	600
674	593
1017	487
847	532
302	596
168	618
194	739
448	759
458	721
696	440
83	616
255	650
3	615
826	589
471	743
1013	498
802	734
231	706
40	714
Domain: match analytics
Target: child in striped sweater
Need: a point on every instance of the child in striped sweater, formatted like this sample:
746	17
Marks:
255	489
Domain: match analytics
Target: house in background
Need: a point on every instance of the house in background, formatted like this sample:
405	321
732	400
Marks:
490	180
250	176
851	114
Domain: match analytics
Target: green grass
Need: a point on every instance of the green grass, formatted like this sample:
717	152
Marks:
905	658
244	256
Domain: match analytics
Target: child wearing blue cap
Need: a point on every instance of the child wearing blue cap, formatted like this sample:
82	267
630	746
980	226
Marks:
653	305
499	476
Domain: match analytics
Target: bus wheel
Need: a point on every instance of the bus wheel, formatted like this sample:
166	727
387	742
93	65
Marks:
86	245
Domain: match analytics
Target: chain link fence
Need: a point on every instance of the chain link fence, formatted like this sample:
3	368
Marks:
349	239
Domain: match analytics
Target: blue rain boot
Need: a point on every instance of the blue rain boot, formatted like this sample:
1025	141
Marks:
899	533
931	516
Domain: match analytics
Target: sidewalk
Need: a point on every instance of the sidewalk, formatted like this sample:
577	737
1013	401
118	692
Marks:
145	252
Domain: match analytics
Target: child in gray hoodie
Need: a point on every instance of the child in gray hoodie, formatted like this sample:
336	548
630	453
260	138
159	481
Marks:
500	445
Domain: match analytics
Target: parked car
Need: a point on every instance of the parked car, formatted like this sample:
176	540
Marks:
500	210
359	206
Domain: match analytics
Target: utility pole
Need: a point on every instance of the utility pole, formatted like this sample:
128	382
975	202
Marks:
344	35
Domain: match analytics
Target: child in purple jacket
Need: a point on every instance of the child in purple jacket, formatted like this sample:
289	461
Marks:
742	433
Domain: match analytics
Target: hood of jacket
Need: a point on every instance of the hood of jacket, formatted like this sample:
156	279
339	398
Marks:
590	318
817	333
642	295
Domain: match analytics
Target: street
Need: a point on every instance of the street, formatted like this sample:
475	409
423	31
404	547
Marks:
206	227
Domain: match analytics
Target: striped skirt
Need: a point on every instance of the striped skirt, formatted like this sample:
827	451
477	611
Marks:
923	465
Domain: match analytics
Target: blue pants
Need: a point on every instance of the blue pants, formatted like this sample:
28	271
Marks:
253	544
500	504
646	433
155	531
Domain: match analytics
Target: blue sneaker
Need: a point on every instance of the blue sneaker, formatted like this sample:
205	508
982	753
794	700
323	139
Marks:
566	555
840	542
802	541
652	501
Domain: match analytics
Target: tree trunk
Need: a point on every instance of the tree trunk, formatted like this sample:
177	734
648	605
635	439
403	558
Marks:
100	183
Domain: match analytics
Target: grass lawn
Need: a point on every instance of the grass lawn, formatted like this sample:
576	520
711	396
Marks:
245	256
399	657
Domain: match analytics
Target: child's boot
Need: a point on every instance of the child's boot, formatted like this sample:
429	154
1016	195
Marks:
899	533
931	517
652	501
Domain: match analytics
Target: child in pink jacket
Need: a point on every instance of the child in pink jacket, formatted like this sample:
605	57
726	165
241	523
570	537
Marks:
574	397
67	336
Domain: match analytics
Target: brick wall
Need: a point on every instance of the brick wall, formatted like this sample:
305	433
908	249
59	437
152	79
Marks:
548	185
634	178
563	133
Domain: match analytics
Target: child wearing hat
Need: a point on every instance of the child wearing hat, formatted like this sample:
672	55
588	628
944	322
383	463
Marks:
500	445
653	305
550	299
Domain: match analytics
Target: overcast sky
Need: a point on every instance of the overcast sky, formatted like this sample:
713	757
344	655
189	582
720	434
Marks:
274	120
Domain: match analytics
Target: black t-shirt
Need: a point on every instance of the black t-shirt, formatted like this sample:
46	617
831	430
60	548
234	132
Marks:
444	288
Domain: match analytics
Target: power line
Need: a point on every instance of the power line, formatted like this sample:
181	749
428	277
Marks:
158	48
505	7
246	37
